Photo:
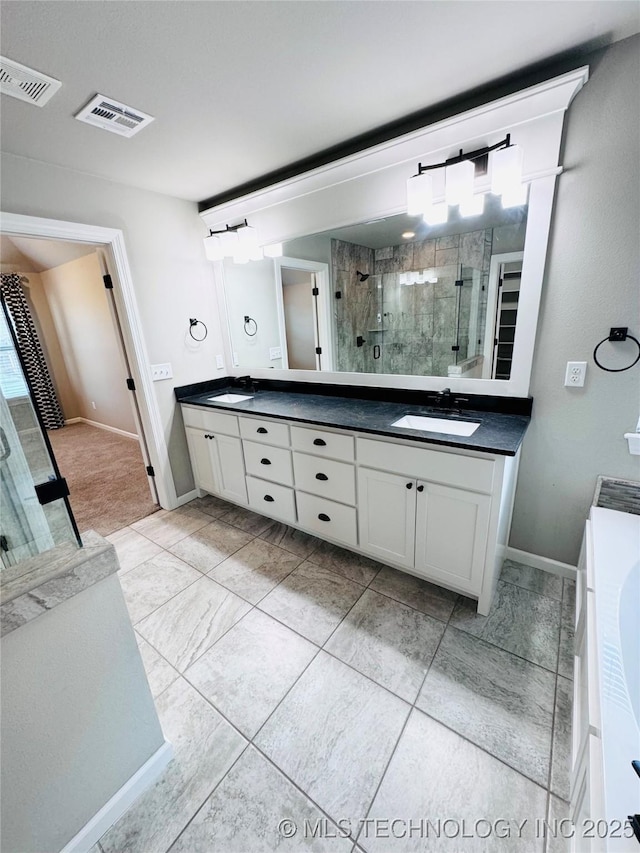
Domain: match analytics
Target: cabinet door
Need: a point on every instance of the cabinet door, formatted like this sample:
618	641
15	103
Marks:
451	535
387	514
230	468
201	459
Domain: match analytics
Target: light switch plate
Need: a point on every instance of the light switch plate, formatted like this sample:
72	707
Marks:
219	362
275	352
161	371
574	376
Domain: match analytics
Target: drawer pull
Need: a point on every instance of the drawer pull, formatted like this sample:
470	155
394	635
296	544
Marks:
319	442
420	489
262	430
265	462
268	498
321	477
324	517
409	485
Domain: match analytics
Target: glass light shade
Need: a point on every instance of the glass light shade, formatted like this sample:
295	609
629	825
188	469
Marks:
459	182
256	253
240	256
419	194
247	235
228	241
473	206
213	248
273	251
402	278
515	197
437	214
506	169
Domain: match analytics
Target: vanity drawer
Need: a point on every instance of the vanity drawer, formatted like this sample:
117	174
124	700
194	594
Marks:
451	469
322	443
266	432
334	520
272	499
269	463
325	477
209	420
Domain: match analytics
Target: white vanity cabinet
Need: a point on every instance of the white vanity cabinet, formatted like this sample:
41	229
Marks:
441	514
216	453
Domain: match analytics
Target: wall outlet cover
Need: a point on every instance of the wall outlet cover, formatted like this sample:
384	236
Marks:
575	374
275	352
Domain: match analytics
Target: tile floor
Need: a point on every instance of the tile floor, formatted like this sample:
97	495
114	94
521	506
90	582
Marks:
368	709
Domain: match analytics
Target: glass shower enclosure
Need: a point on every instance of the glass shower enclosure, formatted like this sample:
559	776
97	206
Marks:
35	514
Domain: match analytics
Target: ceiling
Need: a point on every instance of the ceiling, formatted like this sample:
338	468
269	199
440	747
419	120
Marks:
239	89
32	254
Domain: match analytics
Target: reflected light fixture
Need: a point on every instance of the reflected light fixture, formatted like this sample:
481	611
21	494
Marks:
407	235
239	242
435	188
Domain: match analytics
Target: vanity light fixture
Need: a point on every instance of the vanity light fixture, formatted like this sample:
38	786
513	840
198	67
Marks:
435	188
239	242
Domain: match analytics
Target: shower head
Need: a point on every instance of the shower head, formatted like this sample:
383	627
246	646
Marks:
362	276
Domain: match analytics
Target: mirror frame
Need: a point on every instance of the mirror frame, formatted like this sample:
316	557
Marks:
372	184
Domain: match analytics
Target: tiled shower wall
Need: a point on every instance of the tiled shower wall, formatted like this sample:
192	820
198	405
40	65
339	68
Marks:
414	326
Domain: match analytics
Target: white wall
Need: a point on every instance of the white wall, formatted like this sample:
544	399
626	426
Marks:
591	283
90	349
173	280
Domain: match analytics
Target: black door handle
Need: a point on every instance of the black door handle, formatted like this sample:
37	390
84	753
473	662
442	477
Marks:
323	517
360	340
268	498
265	462
209	436
262	430
376	351
321	477
319	442
409	485
420	489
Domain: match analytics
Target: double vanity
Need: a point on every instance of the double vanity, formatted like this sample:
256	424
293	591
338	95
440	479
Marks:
424	489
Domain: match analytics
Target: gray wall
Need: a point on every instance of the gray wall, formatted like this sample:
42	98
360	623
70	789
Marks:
78	719
591	283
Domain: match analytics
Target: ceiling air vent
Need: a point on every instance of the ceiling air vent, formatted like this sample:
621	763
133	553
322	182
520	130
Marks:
25	83
112	115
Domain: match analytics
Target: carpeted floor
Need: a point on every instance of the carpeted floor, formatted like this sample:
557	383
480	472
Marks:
106	477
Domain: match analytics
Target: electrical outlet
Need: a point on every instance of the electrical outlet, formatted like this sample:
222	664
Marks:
275	352
219	362
161	371
574	377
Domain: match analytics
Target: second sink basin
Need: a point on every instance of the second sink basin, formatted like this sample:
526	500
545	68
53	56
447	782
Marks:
443	425
230	398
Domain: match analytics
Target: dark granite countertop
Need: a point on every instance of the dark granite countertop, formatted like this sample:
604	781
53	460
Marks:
498	433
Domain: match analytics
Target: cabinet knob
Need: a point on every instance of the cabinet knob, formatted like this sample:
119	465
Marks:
265	461
319	442
420	489
324	517
409	485
321	477
268	498
262	430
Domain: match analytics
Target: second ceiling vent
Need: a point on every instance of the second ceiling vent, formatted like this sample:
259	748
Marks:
26	84
111	115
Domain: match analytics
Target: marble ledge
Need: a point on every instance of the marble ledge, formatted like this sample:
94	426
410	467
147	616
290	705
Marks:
41	583
618	494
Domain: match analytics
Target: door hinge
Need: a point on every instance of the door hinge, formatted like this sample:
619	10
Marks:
338	294
460	282
150	471
4	543
314	291
318	350
108	283
131	385
455	348
52	490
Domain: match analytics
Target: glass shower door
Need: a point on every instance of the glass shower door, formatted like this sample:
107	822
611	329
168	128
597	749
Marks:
35	511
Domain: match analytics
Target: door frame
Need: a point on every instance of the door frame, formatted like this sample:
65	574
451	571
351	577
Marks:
322	307
111	240
492	302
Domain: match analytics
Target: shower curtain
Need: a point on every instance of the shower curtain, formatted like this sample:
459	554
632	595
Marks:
31	350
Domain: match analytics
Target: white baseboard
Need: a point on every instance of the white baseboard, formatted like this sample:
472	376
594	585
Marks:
123	799
555	567
102	426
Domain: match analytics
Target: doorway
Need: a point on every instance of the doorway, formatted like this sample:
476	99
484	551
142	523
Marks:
144	439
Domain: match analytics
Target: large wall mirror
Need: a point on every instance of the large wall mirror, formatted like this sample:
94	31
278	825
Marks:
366	294
392	296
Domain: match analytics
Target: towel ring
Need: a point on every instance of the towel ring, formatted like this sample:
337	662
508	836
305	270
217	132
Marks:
193	322
616	335
249	321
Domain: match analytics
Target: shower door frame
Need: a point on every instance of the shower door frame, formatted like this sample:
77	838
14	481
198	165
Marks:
111	240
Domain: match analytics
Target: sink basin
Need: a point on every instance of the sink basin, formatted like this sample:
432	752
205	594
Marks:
444	425
230	398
